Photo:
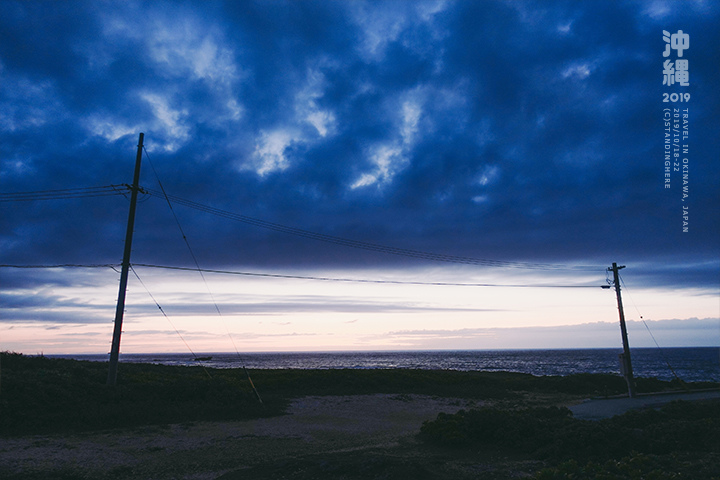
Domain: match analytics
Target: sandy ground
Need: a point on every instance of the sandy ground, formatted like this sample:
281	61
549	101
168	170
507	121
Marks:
208	450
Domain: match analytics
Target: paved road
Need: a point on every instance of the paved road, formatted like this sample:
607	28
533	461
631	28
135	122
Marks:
596	409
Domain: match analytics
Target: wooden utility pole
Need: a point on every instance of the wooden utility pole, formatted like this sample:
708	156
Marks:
625	362
115	350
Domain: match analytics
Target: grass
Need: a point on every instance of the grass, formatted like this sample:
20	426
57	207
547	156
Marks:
40	395
45	395
637	444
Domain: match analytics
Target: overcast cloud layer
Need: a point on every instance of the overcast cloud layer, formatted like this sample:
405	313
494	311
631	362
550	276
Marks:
512	131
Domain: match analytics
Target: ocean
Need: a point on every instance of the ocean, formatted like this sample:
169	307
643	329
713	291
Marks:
689	364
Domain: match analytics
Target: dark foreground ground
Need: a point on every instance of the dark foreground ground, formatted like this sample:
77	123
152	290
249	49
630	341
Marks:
59	420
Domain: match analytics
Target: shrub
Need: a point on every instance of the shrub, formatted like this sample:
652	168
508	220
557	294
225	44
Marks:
552	433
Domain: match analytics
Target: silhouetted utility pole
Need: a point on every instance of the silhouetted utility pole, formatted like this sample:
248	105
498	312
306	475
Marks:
625	362
115	350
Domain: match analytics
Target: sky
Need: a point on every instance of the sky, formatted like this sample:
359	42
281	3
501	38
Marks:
354	175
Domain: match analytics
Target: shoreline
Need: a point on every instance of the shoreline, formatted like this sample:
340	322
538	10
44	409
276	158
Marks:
690	363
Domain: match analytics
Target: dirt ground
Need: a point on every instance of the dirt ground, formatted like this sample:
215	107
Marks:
362	436
596	409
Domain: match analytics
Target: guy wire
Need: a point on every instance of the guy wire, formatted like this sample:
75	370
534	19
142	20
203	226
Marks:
168	319
662	353
200	271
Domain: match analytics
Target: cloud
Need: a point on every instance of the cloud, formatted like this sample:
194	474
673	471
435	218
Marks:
494	130
308	107
169	120
289	304
386	161
577	71
189	49
270	151
393	155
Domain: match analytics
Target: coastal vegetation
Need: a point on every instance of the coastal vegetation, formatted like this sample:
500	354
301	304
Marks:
39	394
521	416
637	444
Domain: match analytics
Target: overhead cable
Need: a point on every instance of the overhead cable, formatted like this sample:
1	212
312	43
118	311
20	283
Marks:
110	190
355	280
304	277
61	194
65	265
364	245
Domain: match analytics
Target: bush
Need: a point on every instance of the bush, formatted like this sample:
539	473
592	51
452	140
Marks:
679	442
552	433
43	395
637	466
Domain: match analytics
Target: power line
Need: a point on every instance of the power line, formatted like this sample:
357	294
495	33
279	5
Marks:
355	280
63	194
65	265
306	277
365	245
110	190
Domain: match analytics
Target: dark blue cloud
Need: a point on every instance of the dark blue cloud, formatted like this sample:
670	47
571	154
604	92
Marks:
521	131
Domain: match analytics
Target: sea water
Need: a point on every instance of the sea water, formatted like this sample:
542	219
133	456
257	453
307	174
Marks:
689	364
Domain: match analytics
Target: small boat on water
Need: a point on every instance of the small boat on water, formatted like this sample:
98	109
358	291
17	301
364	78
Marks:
202	359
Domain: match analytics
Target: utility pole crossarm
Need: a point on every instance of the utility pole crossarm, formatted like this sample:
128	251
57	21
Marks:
117	331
